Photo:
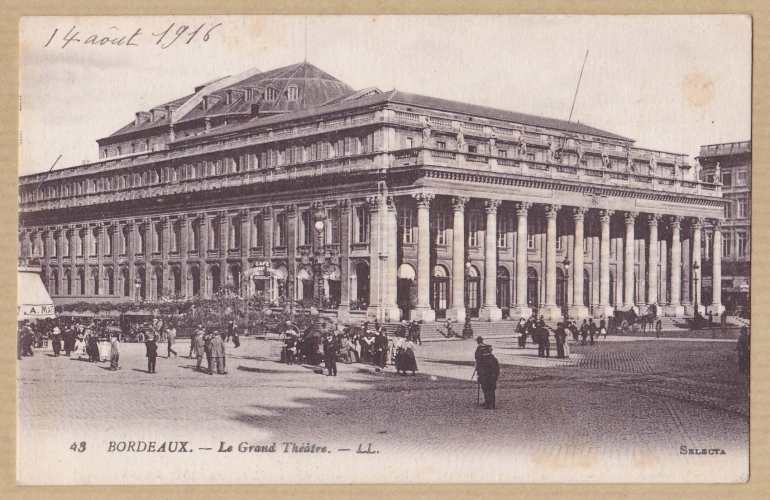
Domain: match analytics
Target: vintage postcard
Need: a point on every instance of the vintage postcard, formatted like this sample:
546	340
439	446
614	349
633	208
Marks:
384	249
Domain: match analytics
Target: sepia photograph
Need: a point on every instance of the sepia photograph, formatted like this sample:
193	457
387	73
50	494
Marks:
384	249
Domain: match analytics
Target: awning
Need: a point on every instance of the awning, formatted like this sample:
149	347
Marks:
32	299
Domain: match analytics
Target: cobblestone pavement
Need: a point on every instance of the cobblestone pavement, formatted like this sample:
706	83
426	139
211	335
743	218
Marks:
608	398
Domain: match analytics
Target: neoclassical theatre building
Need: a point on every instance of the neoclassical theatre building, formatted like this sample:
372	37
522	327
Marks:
392	205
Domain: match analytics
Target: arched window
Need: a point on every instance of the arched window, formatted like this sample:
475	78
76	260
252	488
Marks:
561	288
503	289
110	277
125	281
533	288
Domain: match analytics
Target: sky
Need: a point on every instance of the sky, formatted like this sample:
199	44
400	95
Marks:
672	83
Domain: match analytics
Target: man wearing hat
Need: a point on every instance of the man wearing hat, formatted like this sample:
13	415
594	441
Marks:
197	347
56	341
152	352
489	371
198	333
331	349
217	349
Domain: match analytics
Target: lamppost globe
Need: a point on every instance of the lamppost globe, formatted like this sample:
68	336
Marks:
319	225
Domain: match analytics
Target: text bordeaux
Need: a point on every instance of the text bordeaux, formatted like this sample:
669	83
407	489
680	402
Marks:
149	447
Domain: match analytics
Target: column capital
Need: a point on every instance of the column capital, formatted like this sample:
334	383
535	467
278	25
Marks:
697	222
522	208
165	219
146	221
630	217
653	219
675	222
579	213
344	205
182	218
267	213
490	206
374	202
458	203
604	215
717	223
551	211
291	210
423	199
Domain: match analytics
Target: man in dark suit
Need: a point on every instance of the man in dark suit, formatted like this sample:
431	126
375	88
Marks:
331	349
217	350
489	371
197	348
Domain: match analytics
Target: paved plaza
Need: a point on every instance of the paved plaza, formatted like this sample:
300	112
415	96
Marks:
638	395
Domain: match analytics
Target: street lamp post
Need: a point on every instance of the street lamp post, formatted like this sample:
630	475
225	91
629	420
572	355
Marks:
318	264
467	328
137	286
695	269
564	307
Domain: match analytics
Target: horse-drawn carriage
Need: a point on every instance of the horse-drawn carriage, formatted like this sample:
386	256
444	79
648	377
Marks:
629	321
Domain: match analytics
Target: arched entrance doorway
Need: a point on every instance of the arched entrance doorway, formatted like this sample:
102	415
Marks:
561	288
234	278
362	286
176	275
504	291
305	288
473	292
110	281
440	291
404	294
195	278
214	279
125	282
157	283
533	289
332	289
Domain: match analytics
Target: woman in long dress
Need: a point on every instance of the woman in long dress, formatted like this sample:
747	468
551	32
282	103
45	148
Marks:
409	361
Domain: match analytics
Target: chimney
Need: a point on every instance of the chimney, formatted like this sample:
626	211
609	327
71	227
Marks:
157	114
141	117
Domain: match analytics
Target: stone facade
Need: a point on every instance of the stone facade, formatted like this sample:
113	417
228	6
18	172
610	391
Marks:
385	204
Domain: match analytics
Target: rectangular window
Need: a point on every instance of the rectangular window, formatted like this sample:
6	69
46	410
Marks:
176	235
474	227
195	237
334	227
504	226
743	244
406	225
157	237
142	242
256	232
530	156
363	219
742	178
502	153
727	179
728	210
235	232
408	143
280	230
440	145
439	224
530	241
306	229
558	244
726	245
472	149
67	244
743	209
55	246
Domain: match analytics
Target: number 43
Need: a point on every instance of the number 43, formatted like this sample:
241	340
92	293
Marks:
79	448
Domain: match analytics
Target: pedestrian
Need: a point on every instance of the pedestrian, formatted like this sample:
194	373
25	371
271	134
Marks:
230	327
92	347
171	339
584	332
207	347
114	353
381	349
348	350
545	339
197	347
198	332
217	350
236	337
522	332
56	341
574	330
591	330
744	351
152	352
449	332
331	350
603	327
488	369
711	319
723	319
417	331
561	339
289	348
28	338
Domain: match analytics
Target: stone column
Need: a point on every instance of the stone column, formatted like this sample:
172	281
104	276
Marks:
716	306
224	246
663	259
390	249
697	227
245	221
457	311
101	233
521	309
376	205
652	264
130	251
550	310
686	297
343	311
628	262
578	309
604	309
291	251
489	311
184	236
674	307
267	233
423	311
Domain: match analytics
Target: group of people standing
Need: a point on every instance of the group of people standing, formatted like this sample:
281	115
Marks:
213	346
539	332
